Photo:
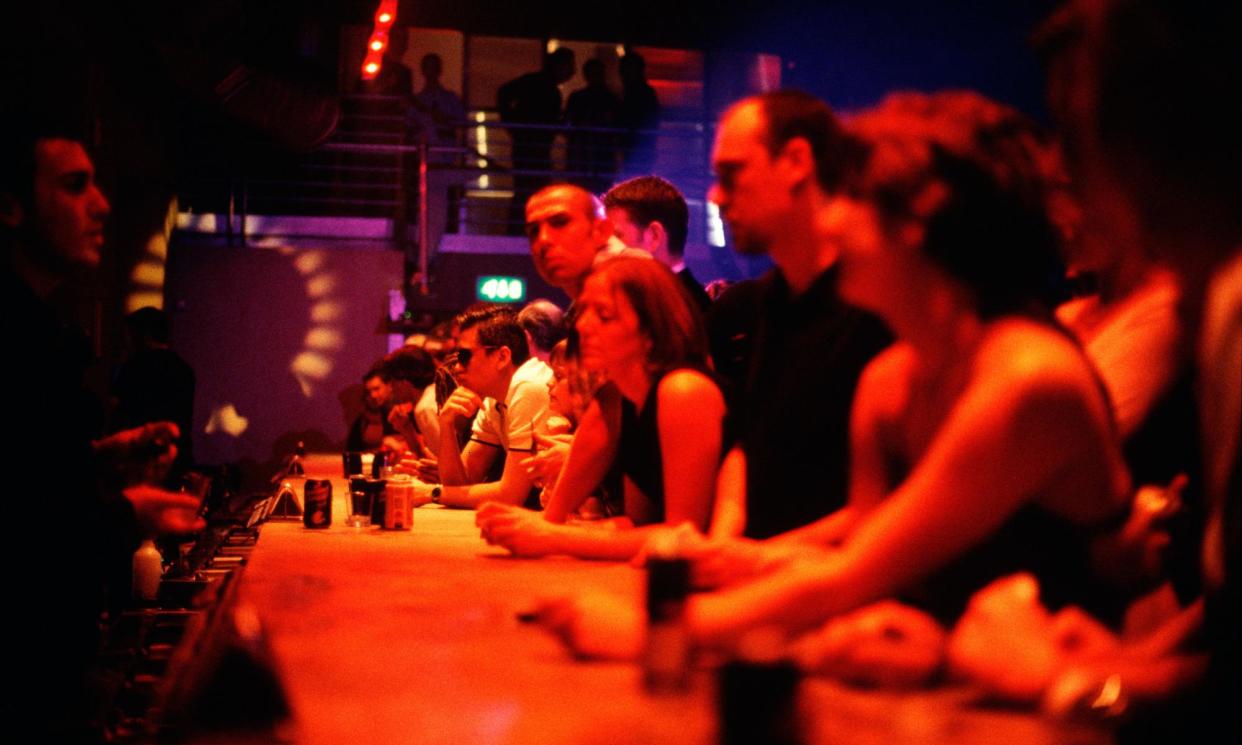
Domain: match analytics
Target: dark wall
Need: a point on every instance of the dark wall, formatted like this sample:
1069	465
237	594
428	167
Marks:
277	334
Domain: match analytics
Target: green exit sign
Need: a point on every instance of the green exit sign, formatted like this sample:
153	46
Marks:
500	289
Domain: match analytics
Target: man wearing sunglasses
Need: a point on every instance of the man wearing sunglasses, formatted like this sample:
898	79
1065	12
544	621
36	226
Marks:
504	392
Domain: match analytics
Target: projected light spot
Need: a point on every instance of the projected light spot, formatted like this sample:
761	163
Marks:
309	368
326	312
226	420
149	273
324	339
309	262
315	362
147	277
320	285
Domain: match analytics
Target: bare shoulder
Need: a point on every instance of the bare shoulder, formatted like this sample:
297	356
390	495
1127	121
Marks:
1030	357
691	389
883	388
891	367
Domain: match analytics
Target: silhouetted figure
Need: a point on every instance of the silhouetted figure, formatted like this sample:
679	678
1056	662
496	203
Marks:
533	99
440	114
155	384
640	110
593	154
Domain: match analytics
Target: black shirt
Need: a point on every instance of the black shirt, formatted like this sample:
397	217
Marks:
794	364
694	289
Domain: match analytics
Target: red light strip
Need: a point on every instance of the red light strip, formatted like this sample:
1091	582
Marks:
385	17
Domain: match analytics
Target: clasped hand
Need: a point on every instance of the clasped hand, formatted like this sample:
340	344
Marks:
523	532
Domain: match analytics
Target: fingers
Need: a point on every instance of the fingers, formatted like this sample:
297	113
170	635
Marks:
162	432
545	441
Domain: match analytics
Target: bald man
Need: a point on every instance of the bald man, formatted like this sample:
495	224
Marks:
568	235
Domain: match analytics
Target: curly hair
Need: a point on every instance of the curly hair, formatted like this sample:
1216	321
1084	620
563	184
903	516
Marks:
975	173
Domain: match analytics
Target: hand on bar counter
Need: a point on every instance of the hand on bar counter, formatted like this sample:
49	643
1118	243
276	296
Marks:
523	532
161	512
720	562
426	470
886	644
1014	649
594	625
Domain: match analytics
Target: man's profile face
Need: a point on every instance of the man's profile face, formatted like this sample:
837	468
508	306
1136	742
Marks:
625	229
482	372
378	391
564	235
752	199
69	211
633	235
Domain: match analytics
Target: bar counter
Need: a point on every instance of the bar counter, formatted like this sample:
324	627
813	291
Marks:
412	636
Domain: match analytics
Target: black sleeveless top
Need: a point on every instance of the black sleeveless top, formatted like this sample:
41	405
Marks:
639	451
1056	550
1052	548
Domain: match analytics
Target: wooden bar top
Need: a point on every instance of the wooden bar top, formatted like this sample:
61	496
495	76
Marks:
412	636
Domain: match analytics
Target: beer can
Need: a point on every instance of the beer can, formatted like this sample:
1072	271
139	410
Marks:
398	510
317	503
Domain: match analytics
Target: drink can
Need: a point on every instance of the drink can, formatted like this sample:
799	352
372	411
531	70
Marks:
398	510
317	503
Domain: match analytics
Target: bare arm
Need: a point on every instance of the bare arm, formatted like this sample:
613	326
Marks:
689	419
461	408
511	489
1014	429
590	456
729	514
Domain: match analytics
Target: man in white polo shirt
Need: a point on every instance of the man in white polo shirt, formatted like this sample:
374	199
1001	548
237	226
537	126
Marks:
504	392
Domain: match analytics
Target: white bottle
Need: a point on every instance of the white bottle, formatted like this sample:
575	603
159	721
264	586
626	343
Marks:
147	571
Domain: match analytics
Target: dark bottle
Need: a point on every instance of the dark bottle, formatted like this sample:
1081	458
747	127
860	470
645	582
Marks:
758	697
667	662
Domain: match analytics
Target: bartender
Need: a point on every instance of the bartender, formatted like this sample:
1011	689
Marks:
77	505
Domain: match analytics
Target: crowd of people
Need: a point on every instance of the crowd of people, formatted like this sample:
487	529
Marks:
981	420
954	431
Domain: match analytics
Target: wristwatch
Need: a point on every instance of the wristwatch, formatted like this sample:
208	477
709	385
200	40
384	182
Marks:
435	494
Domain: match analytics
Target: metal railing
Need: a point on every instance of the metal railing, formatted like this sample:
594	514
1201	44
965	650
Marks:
377	166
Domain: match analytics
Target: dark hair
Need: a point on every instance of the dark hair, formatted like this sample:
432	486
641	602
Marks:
789	114
561	56
971	170
666	314
411	364
18	137
498	327
632	65
1162	113
378	370
544	321
649	199
148	324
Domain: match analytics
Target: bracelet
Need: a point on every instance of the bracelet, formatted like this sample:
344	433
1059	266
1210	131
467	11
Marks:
435	494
